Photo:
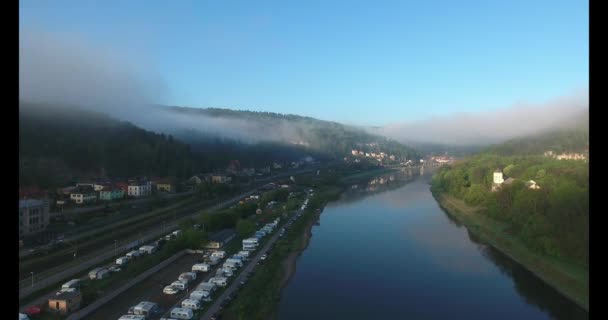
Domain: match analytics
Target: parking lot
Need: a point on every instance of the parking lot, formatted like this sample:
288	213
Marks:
149	290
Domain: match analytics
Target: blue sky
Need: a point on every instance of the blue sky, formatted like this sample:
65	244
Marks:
368	62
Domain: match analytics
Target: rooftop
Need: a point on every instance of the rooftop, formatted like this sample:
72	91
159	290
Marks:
30	203
66	295
222	235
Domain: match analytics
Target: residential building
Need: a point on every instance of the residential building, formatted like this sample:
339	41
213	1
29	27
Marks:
66	302
354	152
220	178
139	188
33	216
108	194
167	185
83	194
220	238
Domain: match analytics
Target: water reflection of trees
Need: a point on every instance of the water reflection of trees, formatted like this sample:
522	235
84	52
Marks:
378	184
533	290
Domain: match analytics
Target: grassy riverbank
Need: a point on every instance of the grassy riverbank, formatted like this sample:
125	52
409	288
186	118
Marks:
569	279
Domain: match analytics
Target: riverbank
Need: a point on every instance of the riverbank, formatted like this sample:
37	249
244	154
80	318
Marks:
290	263
570	280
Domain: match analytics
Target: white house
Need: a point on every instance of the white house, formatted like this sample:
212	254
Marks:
139	189
83	194
532	185
498	178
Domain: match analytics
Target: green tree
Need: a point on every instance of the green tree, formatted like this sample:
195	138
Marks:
244	228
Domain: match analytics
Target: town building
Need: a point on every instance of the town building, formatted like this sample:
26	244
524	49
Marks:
109	194
83	194
139	188
33	216
220	178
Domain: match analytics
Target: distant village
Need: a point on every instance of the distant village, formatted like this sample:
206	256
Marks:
567	156
35	203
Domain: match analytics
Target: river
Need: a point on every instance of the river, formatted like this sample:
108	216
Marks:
386	250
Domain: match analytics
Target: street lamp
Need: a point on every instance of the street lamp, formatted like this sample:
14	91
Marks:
114	247
32	273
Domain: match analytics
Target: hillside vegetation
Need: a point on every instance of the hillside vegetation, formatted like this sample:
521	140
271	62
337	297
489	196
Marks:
57	145
325	138
553	220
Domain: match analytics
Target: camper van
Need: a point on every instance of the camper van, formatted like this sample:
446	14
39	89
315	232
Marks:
72	284
93	273
122	260
244	254
219	281
187	276
146	308
179	285
133	254
148	249
200	267
182	313
191	304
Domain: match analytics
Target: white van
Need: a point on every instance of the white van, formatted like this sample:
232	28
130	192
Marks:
191	304
200	267
179	285
122	260
182	313
133	254
72	284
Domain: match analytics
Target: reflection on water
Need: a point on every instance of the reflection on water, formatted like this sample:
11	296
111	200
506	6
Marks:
386	250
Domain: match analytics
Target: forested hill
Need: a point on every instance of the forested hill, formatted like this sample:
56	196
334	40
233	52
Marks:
58	145
324	137
552	219
571	139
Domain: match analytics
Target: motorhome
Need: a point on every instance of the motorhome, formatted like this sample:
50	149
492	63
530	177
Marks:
122	260
146	308
187	276
182	313
93	273
200	267
191	304
133	254
148	249
72	284
219	281
179	285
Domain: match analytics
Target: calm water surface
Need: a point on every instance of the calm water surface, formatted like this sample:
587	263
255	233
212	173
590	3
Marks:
387	251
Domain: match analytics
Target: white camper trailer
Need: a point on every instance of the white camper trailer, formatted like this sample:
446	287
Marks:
199	294
72	284
187	276
179	285
182	313
219	254
132	317
133	254
93	273
145	308
200	267
148	249
191	304
206	286
219	281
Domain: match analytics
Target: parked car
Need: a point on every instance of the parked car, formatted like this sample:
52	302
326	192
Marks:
114	269
169	290
263	257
